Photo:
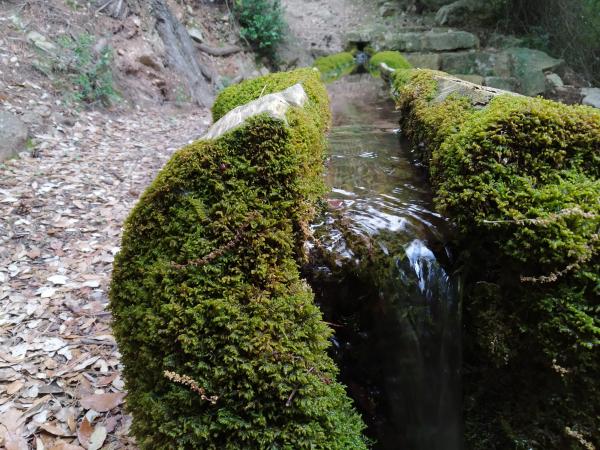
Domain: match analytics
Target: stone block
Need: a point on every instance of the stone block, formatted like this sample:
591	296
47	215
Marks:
475	79
406	42
529	66
591	97
504	83
424	60
447	40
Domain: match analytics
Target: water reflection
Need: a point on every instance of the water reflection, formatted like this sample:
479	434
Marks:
382	278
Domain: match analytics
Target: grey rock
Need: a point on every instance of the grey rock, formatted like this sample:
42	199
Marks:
195	34
475	79
477	62
478	95
591	97
424	60
553	81
13	135
275	105
450	40
41	42
407	42
529	66
504	83
461	12
388	9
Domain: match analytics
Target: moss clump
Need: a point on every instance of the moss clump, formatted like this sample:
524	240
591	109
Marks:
206	289
336	66
240	94
519	176
392	59
424	122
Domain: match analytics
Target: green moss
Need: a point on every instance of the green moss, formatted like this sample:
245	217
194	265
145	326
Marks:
392	59
242	93
519	177
425	123
336	66
206	285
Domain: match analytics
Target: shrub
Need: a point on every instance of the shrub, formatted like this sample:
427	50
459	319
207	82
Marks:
392	59
336	66
519	177
89	72
206	290
570	29
261	23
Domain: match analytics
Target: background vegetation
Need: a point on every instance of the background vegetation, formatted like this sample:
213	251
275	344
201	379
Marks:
261	24
569	29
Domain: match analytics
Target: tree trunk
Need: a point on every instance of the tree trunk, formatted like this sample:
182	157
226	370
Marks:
181	54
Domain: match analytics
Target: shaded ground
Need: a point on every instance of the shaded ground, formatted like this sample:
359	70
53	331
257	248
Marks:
60	226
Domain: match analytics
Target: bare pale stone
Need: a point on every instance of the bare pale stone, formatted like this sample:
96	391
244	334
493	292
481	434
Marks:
274	105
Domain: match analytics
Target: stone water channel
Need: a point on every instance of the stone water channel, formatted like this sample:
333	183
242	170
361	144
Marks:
382	273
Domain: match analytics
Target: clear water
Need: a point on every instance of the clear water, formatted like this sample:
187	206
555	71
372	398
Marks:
382	275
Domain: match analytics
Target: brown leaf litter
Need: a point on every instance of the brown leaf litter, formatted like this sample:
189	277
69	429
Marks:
60	227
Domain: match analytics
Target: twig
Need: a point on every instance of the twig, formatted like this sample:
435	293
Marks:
191	383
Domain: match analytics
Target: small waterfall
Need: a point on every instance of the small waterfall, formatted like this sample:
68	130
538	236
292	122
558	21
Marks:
382	275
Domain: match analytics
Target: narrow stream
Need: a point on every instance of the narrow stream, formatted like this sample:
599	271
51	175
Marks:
381	275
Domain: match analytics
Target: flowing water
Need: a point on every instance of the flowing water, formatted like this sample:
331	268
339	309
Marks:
382	275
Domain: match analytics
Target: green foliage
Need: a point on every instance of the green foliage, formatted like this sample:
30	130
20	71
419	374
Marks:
88	71
207	286
392	59
77	68
569	29
261	23
336	66
520	179
240	94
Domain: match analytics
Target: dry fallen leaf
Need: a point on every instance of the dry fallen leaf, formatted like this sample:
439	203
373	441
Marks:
14	387
57	429
97	438
84	432
102	402
13	441
12	421
65	446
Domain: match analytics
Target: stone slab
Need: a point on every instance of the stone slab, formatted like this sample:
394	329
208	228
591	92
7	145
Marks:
274	105
505	83
424	60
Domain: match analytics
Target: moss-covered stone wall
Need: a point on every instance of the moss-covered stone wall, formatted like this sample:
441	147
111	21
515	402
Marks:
222	344
519	178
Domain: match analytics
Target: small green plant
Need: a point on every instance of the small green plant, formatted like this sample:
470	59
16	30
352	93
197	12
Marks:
261	24
87	71
182	96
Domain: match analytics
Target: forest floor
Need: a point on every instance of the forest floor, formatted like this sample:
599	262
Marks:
62	214
62	207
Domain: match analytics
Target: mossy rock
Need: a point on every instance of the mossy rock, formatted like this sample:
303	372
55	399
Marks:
336	66
520	178
394	60
207	286
242	93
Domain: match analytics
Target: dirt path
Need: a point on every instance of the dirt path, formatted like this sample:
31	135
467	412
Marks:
322	24
60	227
